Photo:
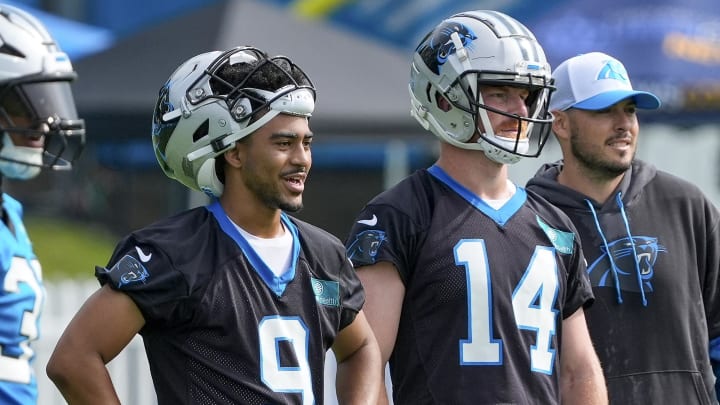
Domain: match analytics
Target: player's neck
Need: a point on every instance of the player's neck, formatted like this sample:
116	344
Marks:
474	171
253	216
598	187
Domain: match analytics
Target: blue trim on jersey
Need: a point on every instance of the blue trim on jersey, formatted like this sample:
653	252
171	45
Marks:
500	216
15	244
275	283
22	304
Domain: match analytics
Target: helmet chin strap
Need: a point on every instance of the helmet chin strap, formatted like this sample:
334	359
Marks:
19	162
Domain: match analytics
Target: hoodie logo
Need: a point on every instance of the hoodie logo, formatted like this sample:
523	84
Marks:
628	266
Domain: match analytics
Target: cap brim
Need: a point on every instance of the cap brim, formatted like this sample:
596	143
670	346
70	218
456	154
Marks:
643	99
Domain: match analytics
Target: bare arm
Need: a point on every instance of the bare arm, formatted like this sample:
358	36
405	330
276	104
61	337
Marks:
384	293
103	326
359	371
581	377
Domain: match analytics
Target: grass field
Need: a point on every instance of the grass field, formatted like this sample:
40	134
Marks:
69	249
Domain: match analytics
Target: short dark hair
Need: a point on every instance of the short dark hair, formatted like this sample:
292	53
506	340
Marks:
265	73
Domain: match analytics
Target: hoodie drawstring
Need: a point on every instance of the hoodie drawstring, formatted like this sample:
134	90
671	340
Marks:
607	249
620	204
613	266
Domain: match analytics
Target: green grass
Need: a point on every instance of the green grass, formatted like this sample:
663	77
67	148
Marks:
68	249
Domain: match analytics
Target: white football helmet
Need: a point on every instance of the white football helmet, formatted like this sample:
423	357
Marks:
35	98
472	49
217	98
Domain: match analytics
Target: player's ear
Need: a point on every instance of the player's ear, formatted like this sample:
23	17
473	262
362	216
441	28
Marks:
235	156
561	124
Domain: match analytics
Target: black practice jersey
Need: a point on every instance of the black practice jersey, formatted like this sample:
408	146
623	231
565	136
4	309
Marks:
486	290
220	327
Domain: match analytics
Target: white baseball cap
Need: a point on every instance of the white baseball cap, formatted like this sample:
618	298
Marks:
595	81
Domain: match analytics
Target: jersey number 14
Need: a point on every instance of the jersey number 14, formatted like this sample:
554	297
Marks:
533	301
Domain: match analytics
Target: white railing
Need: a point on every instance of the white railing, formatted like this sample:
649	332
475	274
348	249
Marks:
129	370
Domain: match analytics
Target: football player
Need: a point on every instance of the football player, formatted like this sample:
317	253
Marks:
475	288
40	129
237	302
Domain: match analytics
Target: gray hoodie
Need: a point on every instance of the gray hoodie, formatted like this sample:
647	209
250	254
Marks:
653	254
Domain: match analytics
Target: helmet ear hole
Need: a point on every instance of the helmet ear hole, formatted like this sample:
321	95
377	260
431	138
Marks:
207	179
202	131
442	103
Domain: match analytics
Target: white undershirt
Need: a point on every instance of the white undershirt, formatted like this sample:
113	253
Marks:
497	204
275	252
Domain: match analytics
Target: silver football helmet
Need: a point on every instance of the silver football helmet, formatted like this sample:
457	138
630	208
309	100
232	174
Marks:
35	98
469	50
201	111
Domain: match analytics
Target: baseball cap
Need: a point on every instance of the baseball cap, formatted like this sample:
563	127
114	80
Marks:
595	81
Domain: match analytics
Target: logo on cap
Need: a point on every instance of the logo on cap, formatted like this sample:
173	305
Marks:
613	70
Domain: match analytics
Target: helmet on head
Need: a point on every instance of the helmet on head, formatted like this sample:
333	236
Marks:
217	98
469	50
35	98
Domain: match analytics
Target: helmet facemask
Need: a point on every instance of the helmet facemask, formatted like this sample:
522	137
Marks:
533	130
39	108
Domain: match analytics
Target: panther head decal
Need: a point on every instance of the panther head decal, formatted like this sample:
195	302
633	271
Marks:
438	45
621	251
130	270
365	247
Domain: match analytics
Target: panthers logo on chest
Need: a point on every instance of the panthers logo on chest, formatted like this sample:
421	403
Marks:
627	263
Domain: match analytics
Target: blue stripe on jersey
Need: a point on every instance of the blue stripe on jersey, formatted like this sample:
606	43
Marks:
500	216
275	283
21	301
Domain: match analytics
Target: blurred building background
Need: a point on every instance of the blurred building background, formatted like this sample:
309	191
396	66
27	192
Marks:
357	52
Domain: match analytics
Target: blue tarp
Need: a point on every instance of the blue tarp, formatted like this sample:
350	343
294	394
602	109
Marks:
670	47
75	38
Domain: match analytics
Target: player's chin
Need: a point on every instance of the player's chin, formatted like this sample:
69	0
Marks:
294	204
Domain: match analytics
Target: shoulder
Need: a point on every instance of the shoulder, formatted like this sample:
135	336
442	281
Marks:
171	244
182	225
316	239
669	182
414	198
167	262
547	211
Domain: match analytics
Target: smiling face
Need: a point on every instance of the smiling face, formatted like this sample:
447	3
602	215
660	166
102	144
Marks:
276	162
603	142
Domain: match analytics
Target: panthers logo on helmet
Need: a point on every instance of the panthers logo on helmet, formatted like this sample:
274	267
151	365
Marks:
621	251
438	45
162	130
365	247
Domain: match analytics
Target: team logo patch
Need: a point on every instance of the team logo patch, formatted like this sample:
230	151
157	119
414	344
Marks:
326	292
131	271
365	247
561	240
